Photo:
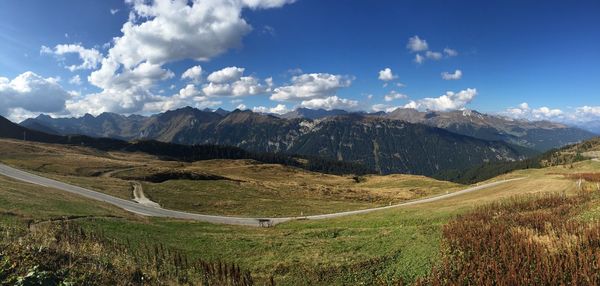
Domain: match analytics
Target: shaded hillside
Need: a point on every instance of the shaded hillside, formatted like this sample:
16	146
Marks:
379	143
562	156
399	147
188	153
313	113
539	135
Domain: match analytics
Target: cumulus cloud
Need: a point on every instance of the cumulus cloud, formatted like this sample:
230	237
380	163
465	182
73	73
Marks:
33	93
452	76
114	11
450	52
578	115
387	75
545	112
449	101
588	111
90	57
193	74
436	56
164	31
523	111
243	86
279	109
75	80
227	74
329	103
393	95
231	82
419	59
181	29
311	86
416	44
384	107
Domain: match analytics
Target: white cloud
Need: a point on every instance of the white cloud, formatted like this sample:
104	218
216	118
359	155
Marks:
279	109
114	11
393	95
524	105
523	111
311	86
384	107
448	101
160	32
436	56
241	106
243	86
329	103
90	57
142	77
450	52
416	44
545	112
452	76
578	115
194	74
33	93
585	114
419	59
387	75
181	29
227	74
75	80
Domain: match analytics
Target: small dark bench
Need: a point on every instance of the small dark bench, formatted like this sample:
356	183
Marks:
263	222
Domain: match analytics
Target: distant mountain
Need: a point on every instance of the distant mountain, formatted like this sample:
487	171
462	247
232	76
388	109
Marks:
383	144
186	153
312	113
391	146
538	135
591	126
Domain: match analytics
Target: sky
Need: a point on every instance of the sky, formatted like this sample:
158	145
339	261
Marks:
525	59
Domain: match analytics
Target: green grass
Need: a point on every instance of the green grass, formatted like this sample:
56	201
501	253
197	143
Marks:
234	198
34	202
254	190
395	244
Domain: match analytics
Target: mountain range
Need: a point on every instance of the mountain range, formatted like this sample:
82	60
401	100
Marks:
403	141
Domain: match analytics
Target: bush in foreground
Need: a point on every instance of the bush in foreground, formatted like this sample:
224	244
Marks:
64	254
526	241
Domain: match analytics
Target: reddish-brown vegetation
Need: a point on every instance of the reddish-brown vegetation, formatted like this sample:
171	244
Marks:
531	241
590	177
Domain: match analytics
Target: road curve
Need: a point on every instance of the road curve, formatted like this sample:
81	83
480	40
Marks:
245	221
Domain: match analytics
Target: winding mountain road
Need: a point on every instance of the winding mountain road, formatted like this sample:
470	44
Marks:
145	210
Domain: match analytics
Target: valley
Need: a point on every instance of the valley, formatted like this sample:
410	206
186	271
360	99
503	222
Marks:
405	241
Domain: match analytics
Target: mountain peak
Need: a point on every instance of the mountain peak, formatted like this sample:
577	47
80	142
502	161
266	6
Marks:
308	113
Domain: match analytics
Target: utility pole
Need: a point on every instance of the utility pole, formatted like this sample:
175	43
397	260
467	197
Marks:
24	135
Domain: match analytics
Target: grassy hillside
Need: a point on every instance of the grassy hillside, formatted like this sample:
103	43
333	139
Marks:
230	187
563	156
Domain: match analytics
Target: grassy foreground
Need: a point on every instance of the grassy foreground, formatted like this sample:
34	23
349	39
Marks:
389	246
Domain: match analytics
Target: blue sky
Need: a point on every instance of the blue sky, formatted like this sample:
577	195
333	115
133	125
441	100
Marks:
312	53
